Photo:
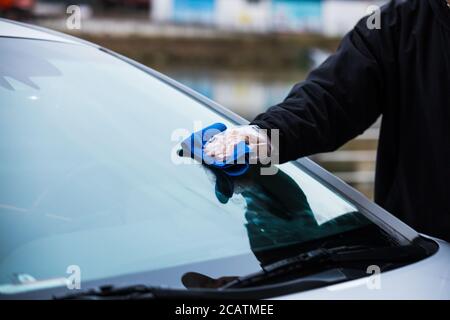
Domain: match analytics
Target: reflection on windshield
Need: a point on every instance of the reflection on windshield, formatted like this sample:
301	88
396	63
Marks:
86	178
30	66
277	211
277	215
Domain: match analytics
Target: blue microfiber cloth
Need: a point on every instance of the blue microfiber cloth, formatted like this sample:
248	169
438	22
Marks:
194	147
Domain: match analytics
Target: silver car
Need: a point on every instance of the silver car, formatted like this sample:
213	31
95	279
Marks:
96	202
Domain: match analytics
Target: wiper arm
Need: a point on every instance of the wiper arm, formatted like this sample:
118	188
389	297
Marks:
315	260
140	292
324	257
112	293
143	292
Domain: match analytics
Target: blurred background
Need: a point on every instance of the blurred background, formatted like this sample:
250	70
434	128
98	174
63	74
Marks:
244	54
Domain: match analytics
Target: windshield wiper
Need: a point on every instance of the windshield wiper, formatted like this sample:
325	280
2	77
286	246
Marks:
143	292
111	293
314	261
318	259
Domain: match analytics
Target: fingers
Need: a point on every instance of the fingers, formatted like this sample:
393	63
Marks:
222	146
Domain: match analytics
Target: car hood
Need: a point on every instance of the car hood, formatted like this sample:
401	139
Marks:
426	279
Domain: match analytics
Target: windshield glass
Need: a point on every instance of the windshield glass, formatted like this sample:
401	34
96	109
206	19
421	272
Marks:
88	179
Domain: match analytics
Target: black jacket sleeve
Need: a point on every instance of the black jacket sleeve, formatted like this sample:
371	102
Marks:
338	100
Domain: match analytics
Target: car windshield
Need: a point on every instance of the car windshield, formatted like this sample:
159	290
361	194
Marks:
89	177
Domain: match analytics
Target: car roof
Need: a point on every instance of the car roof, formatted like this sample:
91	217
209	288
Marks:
14	29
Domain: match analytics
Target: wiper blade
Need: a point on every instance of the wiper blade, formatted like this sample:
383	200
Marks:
317	259
139	292
143	292
112	293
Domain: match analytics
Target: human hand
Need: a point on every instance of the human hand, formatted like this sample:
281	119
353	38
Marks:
222	145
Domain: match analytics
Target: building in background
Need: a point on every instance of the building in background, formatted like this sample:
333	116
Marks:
331	17
193	11
16	9
243	15
327	17
339	16
297	16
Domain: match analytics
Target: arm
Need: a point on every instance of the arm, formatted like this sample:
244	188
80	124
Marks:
339	100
